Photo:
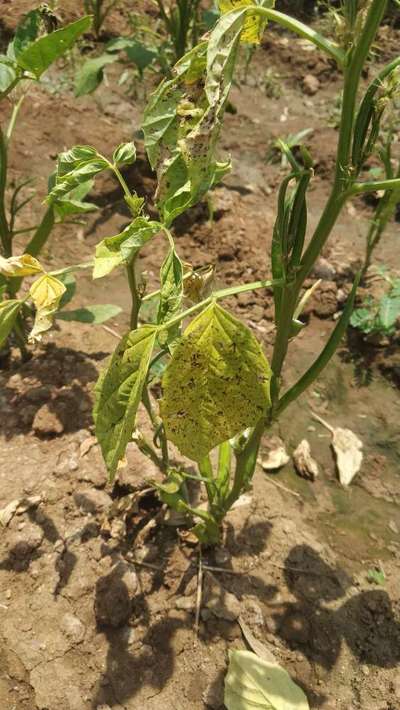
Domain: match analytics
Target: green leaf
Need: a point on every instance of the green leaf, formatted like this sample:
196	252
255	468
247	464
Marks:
389	311
118	393
363	319
73	202
171	292
8	314
252	682
8	73
26	33
75	168
216	384
125	154
140	55
113	251
376	576
91	314
38	56
91	73
69	282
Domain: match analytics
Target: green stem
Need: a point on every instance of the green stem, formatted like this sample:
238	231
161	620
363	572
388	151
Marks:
360	187
13	118
302	30
130	270
5	235
245	464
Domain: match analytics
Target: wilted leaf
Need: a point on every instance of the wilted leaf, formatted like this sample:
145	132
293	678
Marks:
305	465
254	24
8	314
348	449
125	154
91	314
46	293
118	393
216	384
252	682
257	646
24	265
90	74
276	458
113	251
38	55
73	202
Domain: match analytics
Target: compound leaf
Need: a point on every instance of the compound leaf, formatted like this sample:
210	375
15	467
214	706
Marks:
216	384
8	314
38	55
118	394
252	682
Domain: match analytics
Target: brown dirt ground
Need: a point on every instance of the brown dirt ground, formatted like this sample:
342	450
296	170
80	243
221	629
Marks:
82	627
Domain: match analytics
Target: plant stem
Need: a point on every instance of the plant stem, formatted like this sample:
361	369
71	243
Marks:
360	187
130	270
302	30
5	236
13	118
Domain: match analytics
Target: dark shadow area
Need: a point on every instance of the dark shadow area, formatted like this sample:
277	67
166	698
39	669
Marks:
55	377
369	357
366	622
21	556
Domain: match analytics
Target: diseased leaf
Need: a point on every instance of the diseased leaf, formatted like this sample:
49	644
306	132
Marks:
38	56
125	154
26	33
216	384
90	74
24	265
171	292
183	120
8	314
118	393
91	314
113	251
73	202
252	682
73	170
254	24
46	293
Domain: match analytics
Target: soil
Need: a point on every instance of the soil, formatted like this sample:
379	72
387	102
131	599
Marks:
83	626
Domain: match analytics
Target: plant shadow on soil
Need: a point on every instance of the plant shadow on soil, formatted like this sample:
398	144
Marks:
56	377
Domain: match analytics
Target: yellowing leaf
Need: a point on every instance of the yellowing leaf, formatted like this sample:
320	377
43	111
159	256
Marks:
118	394
254	23
216	385
46	293
254	683
24	265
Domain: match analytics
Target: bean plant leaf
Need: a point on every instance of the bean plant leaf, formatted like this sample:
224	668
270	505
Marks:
17	266
46	293
171	292
254	24
183	121
73	202
91	314
216	384
91	73
252	682
26	33
118	394
8	73
69	282
125	154
8	314
76	167
38	55
113	251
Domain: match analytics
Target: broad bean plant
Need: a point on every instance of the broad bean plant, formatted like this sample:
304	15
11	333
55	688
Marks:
219	392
